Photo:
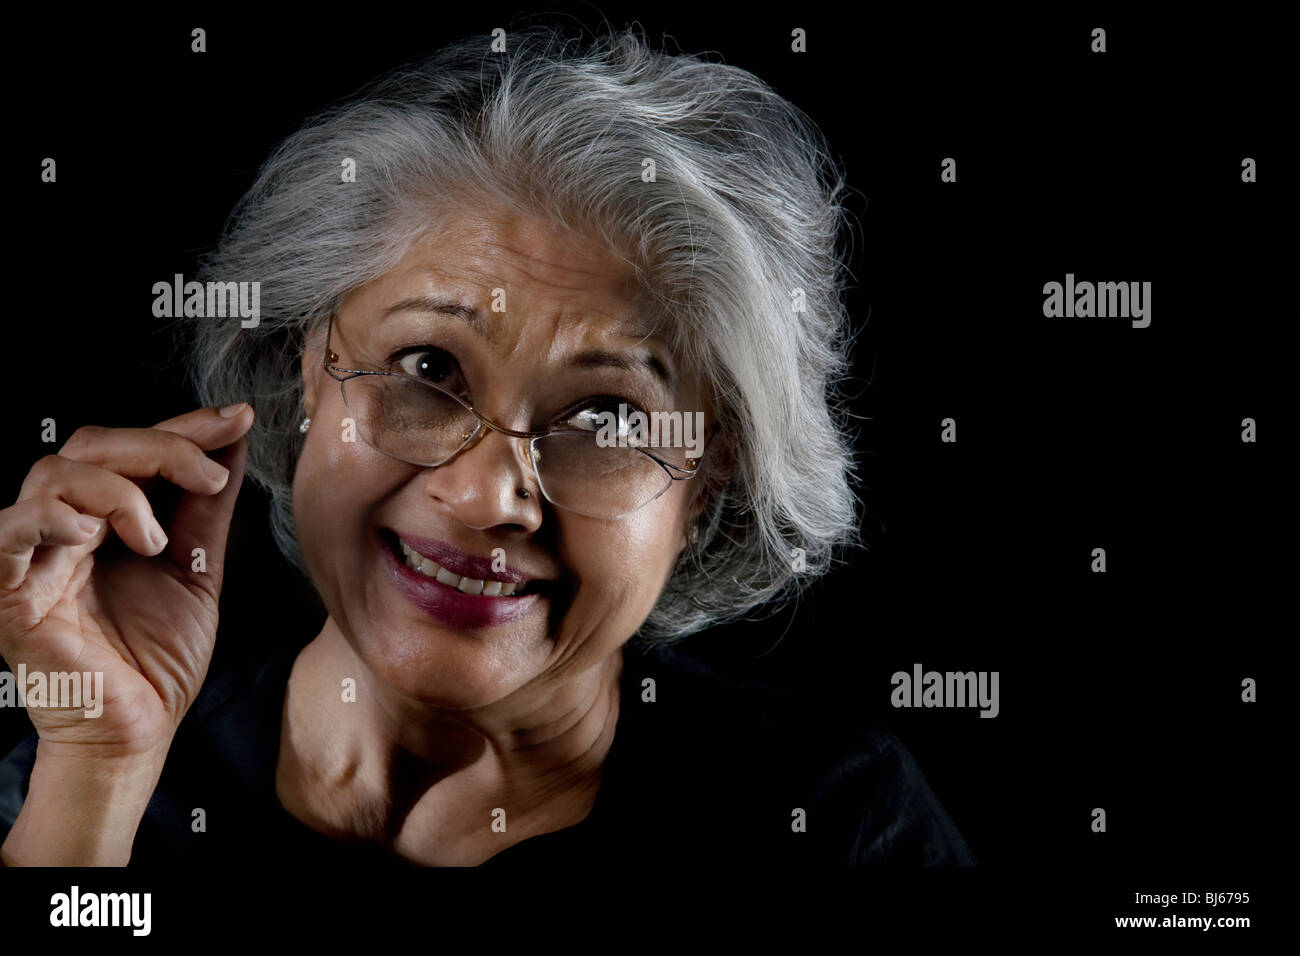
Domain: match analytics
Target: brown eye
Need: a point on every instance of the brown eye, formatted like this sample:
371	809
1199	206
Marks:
432	365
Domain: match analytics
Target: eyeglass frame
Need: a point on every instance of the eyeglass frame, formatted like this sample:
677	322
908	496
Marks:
475	436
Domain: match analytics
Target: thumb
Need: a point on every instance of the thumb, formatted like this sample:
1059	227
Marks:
203	521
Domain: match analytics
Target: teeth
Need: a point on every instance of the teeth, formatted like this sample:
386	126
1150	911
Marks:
432	569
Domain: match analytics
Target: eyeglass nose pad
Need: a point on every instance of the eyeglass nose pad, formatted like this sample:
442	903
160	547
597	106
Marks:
472	437
475	435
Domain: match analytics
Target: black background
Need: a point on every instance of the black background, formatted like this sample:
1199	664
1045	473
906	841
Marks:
1118	690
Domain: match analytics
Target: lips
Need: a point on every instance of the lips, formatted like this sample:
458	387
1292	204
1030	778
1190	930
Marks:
489	587
461	564
448	603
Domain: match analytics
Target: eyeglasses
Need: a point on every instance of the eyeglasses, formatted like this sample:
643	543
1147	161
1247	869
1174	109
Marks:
419	422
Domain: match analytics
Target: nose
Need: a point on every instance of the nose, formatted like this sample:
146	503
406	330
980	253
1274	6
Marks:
481	485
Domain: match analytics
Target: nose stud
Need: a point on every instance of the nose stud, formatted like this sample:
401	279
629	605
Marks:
522	492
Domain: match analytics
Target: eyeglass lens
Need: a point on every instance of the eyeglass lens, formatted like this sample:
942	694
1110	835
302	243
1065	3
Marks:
422	425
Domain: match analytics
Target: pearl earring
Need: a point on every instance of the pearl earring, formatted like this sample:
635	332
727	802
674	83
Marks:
306	424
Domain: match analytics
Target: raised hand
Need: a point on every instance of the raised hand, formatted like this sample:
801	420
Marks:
72	598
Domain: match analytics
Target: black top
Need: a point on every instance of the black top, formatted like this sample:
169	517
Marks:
711	771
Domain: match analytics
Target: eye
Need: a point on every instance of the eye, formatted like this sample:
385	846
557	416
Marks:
598	412
431	364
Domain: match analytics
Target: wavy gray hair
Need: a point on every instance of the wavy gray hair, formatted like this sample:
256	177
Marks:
744	209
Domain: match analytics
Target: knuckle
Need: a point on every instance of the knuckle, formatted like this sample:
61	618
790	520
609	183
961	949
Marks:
44	509
82	439
45	470
171	448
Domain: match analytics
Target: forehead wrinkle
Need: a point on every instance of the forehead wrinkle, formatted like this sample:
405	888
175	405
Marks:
491	243
595	305
574	314
610	274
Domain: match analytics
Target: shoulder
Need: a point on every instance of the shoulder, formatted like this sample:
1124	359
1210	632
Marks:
799	776
903	821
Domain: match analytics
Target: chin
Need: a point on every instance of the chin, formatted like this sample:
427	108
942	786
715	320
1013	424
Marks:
443	669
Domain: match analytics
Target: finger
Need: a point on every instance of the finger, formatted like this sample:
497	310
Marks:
29	524
203	521
144	453
99	492
211	428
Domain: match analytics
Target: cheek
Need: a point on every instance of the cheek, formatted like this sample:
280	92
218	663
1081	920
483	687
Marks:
336	486
622	566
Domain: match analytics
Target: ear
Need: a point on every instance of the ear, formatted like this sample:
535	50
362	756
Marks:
714	476
312	355
699	499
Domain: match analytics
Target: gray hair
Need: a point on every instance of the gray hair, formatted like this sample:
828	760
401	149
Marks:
744	209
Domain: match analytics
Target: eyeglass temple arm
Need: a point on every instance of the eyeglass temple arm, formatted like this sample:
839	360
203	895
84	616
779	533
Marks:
693	466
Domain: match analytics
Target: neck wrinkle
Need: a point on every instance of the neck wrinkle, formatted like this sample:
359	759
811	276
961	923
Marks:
367	771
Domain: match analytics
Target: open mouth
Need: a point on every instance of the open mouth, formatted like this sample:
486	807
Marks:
485	587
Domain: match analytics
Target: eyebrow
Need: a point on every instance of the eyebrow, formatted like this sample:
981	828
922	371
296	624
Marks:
592	358
635	362
438	306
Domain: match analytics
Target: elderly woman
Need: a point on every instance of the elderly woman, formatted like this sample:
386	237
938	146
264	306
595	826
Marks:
543	380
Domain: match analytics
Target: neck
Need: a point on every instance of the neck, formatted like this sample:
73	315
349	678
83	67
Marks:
428	782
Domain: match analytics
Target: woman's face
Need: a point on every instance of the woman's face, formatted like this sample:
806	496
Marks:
571	329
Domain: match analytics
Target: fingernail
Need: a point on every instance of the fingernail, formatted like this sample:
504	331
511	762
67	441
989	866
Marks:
158	536
88	523
214	470
230	411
